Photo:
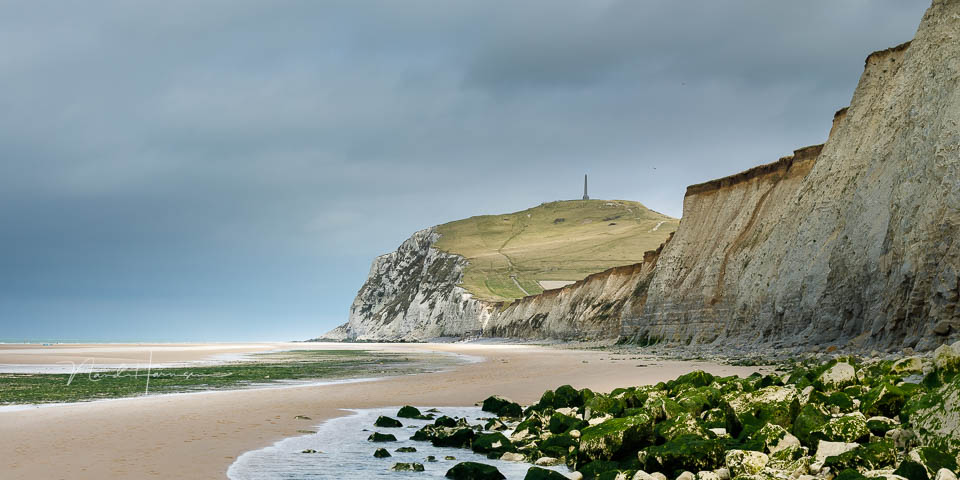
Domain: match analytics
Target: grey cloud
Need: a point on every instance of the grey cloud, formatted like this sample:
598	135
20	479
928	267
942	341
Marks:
174	169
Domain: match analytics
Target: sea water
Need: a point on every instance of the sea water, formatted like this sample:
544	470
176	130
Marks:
344	452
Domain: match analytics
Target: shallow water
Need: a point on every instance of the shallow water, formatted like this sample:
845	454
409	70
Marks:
346	453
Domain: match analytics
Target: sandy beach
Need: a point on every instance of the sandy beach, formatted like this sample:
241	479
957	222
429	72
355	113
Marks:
198	436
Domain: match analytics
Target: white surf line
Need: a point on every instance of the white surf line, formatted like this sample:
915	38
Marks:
658	226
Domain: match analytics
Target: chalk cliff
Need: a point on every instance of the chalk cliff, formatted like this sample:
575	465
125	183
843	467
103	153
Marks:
412	294
855	242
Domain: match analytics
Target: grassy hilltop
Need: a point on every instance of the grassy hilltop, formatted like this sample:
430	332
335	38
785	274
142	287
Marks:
557	241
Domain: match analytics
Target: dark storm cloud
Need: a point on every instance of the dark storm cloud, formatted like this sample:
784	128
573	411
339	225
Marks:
227	169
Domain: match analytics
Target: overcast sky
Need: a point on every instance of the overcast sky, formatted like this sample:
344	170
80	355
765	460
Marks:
226	170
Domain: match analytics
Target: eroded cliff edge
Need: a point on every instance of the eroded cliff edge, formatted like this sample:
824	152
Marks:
852	243
413	294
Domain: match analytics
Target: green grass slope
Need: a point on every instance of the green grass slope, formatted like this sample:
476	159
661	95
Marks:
565	240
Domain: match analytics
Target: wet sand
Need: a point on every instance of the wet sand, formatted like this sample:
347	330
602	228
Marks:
198	436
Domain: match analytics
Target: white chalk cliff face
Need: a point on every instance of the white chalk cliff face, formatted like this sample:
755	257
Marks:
861	246
855	242
412	294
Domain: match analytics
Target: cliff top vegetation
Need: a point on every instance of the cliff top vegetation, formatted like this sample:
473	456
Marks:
558	241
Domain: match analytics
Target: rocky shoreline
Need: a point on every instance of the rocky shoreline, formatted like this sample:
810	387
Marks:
841	419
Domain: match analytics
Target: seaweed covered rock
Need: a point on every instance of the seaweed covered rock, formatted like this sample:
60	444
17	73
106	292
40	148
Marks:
381	453
745	462
407	467
687	452
838	376
453	437
885	399
537	473
696	378
871	456
474	471
492	443
906	366
616	436
561	423
601	405
947	358
810	419
683	424
502	407
879	426
564	396
557	446
774	438
750	411
408	411
933	460
935	416
848	428
387	422
596	469
381	437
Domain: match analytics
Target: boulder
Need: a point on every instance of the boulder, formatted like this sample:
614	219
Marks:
601	405
871	456
513	457
561	423
753	410
811	418
840	375
906	366
826	450
445	421
610	438
407	467
558	445
933	460
745	462
683	424
935	416
474	471
945	474
387	422
879	426
406	450
848	428
687	476
502	407
687	452
775	438
595	469
911	470
453	437
885	399
548	461
707	475
641	475
381	437
492	443
946	359
381	453
537	473
407	411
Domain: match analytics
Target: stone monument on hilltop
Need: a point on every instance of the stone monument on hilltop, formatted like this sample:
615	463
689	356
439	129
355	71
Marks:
585	196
